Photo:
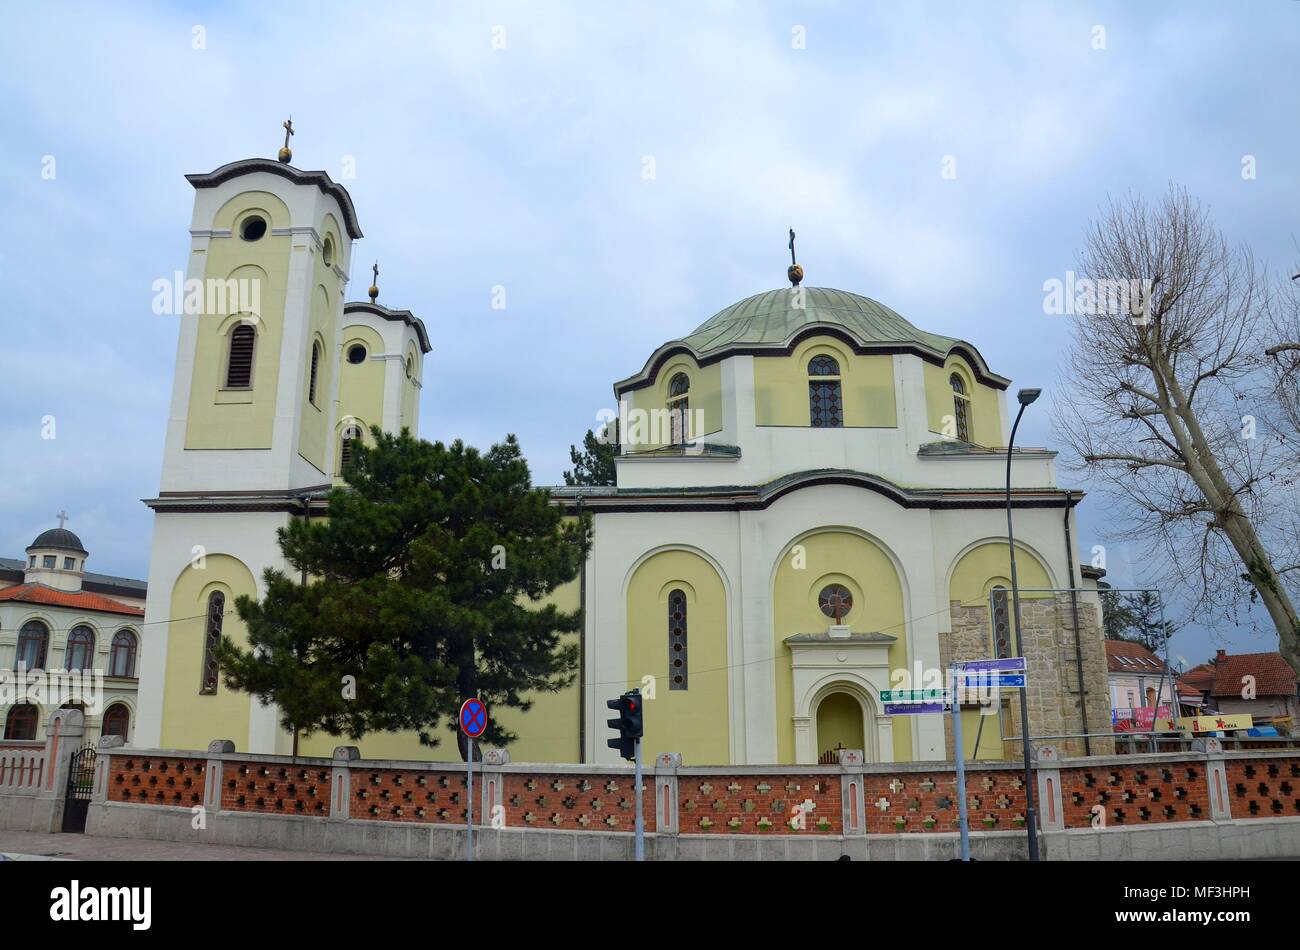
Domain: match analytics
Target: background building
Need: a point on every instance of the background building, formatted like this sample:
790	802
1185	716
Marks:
1261	684
1140	687
55	615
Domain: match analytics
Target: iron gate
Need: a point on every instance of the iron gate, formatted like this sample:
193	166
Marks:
81	781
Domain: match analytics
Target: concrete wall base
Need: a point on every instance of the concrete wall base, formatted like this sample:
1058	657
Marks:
30	813
1228	840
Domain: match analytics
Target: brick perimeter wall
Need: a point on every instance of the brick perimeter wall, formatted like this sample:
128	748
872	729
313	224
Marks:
406	795
753	804
277	789
1135	795
575	802
1264	788
927	801
1134	791
153	780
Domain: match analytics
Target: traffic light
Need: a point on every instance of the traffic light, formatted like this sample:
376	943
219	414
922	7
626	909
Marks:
629	723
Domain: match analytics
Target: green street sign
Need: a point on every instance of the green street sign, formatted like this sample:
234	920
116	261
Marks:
914	696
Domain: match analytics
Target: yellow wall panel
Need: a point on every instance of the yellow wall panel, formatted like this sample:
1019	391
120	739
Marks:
866	386
693	721
191	721
984	416
836	557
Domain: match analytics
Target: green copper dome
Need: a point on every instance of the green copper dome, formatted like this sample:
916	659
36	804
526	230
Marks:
772	318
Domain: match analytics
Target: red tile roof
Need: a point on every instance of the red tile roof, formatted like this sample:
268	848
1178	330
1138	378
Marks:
1273	677
1139	658
79	599
1200	678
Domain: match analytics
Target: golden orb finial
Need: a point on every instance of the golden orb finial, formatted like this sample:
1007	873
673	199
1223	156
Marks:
794	272
286	153
374	287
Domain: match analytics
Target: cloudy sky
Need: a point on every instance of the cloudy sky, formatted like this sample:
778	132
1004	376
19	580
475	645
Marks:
507	144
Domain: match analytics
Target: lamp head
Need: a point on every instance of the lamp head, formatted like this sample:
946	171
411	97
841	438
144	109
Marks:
1026	396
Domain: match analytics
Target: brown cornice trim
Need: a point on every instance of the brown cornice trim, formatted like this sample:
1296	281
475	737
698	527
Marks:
762	497
274	500
650	373
397	316
320	179
246	492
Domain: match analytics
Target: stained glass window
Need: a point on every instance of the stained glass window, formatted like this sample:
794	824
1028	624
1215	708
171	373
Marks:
835	601
677	640
960	406
826	407
1000	607
211	637
679	409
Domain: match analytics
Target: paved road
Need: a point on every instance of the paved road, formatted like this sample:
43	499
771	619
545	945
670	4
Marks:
34	846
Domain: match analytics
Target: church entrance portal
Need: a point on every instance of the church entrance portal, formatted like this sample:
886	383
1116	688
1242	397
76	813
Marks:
839	726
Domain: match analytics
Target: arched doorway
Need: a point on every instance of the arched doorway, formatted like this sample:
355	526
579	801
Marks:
839	726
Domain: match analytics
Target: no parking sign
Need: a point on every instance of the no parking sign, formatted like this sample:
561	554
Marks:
473	717
473	721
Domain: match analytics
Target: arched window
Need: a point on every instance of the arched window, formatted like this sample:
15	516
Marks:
679	409
239	361
315	368
117	719
211	637
677	640
21	722
80	654
351	432
121	660
1000	607
826	407
960	406
33	640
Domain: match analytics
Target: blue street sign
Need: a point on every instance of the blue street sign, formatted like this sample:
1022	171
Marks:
906	709
1011	664
991	680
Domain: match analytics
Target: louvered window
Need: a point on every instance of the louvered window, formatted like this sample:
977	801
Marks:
239	366
315	366
350	434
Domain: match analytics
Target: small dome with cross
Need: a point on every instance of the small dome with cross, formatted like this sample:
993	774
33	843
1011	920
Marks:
58	539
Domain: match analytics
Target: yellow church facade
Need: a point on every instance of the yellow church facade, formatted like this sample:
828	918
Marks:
808	512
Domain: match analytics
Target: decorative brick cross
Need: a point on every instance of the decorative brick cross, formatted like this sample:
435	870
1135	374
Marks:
882	803
896	786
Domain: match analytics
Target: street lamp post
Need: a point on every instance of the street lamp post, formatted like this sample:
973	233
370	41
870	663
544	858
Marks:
1025	397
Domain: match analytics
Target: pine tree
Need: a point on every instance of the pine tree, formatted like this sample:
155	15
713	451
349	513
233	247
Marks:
1135	616
424	589
594	465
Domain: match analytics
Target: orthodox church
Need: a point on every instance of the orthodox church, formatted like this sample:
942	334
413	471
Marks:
821	520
